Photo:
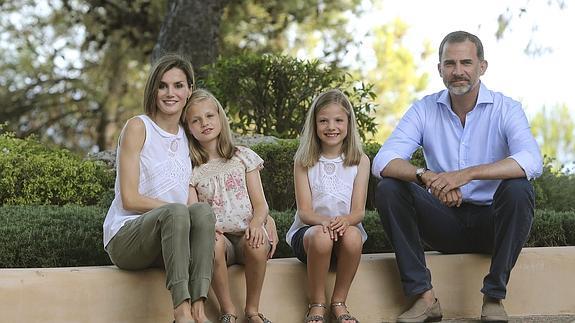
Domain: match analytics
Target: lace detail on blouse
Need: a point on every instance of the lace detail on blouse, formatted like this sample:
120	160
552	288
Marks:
222	184
331	185
169	175
328	184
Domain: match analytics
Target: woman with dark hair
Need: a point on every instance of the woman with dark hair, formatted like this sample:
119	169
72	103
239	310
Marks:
150	222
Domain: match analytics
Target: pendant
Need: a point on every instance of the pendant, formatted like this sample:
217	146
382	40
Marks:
174	146
329	168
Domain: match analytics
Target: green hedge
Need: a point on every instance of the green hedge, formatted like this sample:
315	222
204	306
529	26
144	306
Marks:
555	190
33	173
52	236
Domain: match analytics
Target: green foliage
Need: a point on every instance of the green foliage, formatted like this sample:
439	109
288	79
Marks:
551	228
291	26
284	220
52	236
277	175
73	72
33	173
377	240
271	94
554	190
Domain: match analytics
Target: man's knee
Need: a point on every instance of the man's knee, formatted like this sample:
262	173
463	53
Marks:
514	199
516	189
389	191
387	187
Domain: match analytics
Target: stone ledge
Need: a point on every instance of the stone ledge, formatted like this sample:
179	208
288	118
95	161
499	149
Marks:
542	283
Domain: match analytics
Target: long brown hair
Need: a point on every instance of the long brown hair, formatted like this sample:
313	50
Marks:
225	146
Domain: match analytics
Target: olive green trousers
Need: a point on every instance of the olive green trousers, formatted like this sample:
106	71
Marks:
175	236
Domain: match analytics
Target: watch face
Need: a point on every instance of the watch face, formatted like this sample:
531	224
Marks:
419	173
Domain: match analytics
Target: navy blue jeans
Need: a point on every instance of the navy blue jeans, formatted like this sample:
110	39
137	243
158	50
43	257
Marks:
411	215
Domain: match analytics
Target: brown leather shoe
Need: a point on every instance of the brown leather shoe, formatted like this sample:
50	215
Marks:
420	312
493	310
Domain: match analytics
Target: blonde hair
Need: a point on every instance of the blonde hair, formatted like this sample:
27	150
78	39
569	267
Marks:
165	63
225	147
309	148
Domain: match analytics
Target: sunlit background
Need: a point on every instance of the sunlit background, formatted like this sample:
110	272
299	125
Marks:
71	71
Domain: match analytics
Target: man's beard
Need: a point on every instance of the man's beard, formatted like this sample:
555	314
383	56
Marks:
460	89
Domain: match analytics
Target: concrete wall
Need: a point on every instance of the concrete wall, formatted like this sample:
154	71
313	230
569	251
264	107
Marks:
542	283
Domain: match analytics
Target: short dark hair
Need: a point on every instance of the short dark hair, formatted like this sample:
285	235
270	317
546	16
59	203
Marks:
459	37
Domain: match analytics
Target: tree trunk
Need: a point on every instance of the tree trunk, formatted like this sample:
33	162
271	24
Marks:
191	27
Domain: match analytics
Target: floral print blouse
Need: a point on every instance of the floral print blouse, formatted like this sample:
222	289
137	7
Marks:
222	184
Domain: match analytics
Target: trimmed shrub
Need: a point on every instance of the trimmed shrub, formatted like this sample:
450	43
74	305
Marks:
554	190
549	229
33	173
277	174
53	236
271	94
283	220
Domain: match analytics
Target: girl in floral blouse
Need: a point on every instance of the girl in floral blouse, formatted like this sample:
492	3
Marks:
227	177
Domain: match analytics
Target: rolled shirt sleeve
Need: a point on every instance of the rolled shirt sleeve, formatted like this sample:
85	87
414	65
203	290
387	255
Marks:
404	140
522	145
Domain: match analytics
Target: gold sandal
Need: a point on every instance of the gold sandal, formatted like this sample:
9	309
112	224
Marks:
260	315
315	317
345	316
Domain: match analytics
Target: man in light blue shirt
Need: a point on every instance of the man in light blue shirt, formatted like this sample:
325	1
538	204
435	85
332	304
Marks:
474	195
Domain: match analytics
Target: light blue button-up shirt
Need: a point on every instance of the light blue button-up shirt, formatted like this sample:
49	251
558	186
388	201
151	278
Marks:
495	129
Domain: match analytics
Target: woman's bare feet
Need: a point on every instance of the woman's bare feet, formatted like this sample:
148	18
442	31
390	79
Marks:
197	310
182	312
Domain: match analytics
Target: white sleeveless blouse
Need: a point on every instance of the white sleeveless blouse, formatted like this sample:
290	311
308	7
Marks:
331	185
165	171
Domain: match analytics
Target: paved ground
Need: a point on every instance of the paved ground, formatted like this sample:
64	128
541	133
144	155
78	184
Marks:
529	319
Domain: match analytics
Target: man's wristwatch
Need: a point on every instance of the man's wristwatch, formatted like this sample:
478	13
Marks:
419	175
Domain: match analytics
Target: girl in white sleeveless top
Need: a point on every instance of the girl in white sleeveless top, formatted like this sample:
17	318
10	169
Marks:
149	222
331	174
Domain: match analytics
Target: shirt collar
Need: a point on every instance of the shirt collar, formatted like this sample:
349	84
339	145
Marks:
485	96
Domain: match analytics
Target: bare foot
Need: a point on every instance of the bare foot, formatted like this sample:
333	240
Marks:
197	310
182	312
